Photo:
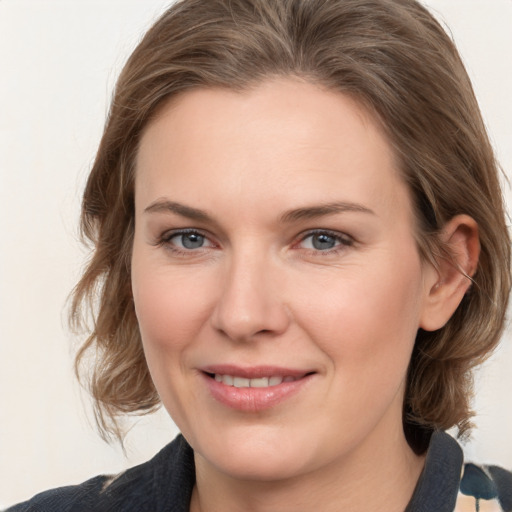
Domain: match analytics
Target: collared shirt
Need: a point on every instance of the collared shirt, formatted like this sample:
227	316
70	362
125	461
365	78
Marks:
165	483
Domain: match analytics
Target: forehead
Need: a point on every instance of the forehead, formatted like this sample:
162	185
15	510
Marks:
284	141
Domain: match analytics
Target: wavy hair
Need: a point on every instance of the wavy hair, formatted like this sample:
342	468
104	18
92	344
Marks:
396	60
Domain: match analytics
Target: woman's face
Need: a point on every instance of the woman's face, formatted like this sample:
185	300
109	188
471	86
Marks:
276	278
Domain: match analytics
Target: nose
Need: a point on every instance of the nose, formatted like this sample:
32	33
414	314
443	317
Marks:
250	303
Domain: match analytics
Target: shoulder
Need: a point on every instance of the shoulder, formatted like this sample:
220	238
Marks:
64	498
168	476
447	484
485	486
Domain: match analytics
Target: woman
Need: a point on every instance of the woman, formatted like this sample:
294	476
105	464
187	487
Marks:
298	232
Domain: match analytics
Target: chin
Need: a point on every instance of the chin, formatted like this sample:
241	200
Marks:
263	466
260	453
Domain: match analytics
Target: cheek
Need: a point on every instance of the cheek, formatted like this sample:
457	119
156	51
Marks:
171	311
171	307
366	321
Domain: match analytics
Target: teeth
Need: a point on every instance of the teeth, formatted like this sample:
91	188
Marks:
274	381
240	382
262	382
259	383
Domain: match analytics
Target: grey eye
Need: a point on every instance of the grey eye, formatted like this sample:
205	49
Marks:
320	241
189	240
323	241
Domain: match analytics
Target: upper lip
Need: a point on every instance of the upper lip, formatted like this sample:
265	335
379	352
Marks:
254	372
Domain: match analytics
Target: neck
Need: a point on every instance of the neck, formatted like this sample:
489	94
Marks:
377	476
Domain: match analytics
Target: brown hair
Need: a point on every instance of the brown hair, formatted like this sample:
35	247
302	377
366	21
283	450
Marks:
397	61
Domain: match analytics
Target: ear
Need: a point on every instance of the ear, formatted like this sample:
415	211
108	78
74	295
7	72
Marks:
446	285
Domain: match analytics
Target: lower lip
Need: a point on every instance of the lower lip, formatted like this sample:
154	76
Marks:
254	399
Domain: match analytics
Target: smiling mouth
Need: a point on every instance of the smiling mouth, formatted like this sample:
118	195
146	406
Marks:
256	388
260	382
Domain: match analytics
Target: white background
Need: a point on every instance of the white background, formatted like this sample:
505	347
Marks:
58	64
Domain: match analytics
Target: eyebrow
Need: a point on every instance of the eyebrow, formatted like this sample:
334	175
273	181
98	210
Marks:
304	213
163	205
313	212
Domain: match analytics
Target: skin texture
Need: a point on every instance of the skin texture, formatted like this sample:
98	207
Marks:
259	292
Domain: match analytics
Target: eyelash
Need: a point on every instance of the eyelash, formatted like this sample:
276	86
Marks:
343	241
165	241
